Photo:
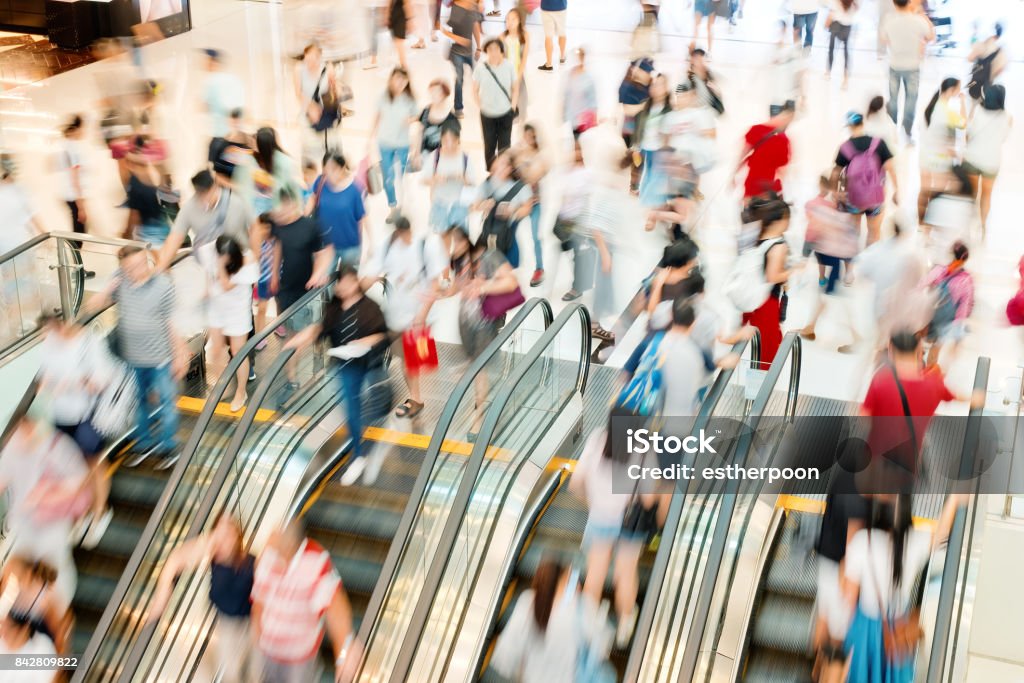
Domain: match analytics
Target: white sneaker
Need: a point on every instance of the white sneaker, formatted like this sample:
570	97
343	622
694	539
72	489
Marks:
353	471
80	528
372	467
624	631
97	529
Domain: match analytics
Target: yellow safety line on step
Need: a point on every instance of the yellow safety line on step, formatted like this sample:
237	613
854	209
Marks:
817	507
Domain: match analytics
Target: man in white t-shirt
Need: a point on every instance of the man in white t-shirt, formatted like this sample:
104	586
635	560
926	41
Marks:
905	33
412	269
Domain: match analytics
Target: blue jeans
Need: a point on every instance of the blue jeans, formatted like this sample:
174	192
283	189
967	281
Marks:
538	246
389	156
460	62
805	23
911	81
347	255
160	432
350	379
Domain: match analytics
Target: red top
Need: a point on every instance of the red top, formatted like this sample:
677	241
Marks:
768	156
889	426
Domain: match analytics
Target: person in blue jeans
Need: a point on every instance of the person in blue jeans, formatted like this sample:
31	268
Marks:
150	346
338	204
805	16
352	320
396	112
463	27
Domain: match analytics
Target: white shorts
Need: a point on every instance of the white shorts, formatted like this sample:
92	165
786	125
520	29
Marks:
554	23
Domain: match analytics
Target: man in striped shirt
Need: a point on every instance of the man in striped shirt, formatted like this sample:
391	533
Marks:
296	590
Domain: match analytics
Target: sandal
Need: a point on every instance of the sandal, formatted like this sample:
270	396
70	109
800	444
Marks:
808	334
599	332
571	295
409	408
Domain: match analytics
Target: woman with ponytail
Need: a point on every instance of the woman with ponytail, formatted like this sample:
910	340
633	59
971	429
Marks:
943	117
877	124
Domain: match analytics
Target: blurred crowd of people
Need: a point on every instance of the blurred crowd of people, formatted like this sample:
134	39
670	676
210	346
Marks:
267	224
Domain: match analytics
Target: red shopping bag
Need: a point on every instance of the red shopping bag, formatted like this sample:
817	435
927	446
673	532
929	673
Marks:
420	350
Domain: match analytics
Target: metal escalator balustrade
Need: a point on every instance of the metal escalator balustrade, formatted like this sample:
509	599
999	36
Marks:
762	619
272	439
554	524
531	415
694	532
122	620
47	274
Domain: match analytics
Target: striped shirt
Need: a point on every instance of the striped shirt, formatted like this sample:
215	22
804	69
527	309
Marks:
294	595
144	320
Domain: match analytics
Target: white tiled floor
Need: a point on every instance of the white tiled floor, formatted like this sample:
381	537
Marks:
252	34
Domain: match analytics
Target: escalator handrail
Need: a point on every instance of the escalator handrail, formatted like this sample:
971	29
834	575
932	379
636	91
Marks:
790	347
645	620
944	630
177	474
61	236
206	505
84	319
419	489
467	484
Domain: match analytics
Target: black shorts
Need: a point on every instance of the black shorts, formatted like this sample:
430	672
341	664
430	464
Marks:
85	435
397	19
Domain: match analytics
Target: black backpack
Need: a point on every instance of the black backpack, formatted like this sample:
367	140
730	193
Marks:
981	74
502	229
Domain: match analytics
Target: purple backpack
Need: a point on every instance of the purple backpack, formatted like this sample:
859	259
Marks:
863	176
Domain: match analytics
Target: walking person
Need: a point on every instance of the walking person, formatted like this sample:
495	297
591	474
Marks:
883	564
452	177
553	14
861	167
766	154
279	169
350	319
396	111
463	29
805	16
709	10
945	114
497	93
773	215
953	289
149	218
149	343
579	103
504	200
399	14
289	631
517	47
74	370
73	173
232	271
43	473
231	571
319	97
877	124
433	119
987	133
532	167
337	204
988	61
413	269
905	33
839	23
648	140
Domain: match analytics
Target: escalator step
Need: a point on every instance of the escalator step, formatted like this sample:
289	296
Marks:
354	520
358	576
134	488
783	623
777	667
793	569
93	592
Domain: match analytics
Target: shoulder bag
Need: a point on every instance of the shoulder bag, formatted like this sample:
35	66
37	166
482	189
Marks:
504	90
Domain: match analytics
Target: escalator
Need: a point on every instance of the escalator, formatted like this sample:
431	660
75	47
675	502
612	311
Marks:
779	641
357	524
450	565
557	529
756	578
